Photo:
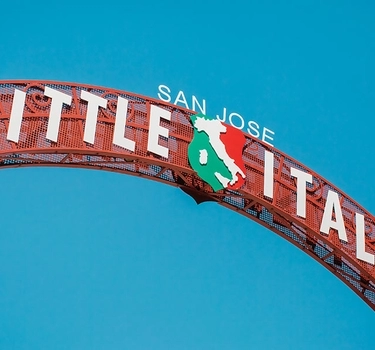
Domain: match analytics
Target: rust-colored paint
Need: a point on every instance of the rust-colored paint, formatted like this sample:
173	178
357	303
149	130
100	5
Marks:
278	214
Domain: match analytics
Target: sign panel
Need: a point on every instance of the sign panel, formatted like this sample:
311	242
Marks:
74	125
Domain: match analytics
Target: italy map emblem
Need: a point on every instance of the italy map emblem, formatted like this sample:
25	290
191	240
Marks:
215	153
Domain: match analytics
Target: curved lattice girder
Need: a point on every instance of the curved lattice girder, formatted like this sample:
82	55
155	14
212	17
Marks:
277	214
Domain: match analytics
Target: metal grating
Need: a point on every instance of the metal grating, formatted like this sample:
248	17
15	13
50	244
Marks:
278	214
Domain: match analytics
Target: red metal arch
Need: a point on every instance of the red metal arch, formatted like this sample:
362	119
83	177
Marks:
278	214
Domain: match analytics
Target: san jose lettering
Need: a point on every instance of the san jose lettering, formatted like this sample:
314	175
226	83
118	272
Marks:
235	119
332	216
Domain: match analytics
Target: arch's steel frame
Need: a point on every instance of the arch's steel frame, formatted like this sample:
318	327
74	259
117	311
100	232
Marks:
278	214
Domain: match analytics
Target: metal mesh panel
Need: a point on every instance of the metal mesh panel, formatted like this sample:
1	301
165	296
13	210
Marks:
277	214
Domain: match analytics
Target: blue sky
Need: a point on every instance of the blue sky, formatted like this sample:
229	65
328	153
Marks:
95	260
